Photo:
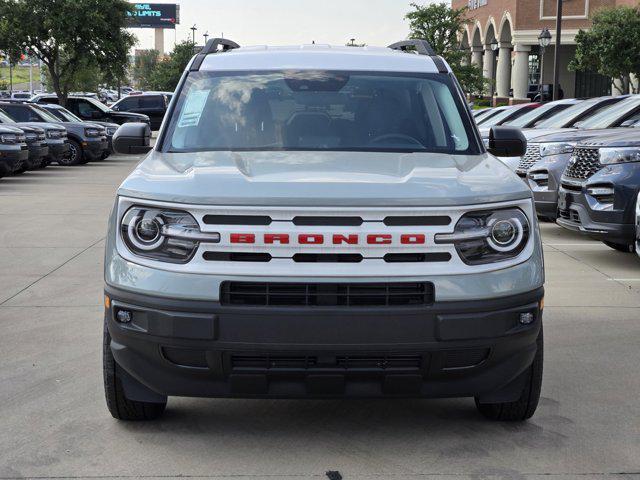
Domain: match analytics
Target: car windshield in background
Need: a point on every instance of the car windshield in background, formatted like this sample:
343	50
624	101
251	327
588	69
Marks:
567	117
610	115
506	113
319	110
529	118
45	115
63	114
4	118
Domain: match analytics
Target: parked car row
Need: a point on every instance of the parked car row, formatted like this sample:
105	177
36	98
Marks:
582	163
34	136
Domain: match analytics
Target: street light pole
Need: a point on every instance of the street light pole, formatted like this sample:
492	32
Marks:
193	32
206	36
494	48
556	56
544	39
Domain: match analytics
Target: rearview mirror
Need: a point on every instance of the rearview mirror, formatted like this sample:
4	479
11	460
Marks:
132	139
507	142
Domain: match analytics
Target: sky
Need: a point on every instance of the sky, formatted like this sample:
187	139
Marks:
287	22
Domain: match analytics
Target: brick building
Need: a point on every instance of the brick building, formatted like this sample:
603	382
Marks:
515	25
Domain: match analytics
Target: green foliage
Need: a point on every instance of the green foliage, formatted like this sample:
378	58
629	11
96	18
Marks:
68	36
143	67
166	74
440	24
612	46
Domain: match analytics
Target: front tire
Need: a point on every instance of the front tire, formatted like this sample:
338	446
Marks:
621	247
76	155
118	404
523	408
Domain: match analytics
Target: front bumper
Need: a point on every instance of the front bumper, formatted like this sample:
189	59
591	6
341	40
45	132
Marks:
58	151
544	179
11	157
609	221
37	152
95	148
204	349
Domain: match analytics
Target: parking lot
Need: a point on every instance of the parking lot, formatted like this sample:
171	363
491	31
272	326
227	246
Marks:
54	422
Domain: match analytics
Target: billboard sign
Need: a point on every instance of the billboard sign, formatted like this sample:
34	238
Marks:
155	15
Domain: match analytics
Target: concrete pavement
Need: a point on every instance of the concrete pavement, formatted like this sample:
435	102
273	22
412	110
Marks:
54	423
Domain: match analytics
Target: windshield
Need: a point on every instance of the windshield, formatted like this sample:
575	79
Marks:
4	118
500	118
63	114
530	118
99	105
44	115
570	115
319	110
607	117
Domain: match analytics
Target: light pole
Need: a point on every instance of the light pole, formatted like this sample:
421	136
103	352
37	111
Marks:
494	48
544	39
193	32
206	36
556	56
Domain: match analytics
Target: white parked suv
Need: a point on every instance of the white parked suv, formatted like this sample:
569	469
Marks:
324	222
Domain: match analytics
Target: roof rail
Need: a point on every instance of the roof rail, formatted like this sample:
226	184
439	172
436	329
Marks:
423	47
212	47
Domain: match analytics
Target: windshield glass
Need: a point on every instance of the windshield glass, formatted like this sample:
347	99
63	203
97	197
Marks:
4	118
606	117
500	118
99	105
319	110
63	114
44	115
530	118
567	117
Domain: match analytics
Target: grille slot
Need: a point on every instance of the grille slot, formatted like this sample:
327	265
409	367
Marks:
236	257
237	220
415	221
326	294
328	221
417	257
465	358
531	156
327	258
586	162
381	362
349	362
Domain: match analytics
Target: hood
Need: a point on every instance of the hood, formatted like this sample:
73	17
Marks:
130	115
622	137
529	133
80	125
44	125
30	127
5	128
323	179
104	124
570	135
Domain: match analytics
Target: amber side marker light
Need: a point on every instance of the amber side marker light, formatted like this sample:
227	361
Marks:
107	301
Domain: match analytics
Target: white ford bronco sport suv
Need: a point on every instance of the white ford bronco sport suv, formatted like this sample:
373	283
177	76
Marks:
322	222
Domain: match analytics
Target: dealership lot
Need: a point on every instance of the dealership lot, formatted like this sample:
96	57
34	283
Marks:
54	423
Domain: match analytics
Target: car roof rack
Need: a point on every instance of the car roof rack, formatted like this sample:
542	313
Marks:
212	46
422	47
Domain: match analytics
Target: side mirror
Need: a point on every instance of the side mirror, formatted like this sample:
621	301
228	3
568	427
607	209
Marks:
507	142
132	139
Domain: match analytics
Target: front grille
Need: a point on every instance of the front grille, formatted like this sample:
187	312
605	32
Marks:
531	156
350	362
585	162
327	294
570	215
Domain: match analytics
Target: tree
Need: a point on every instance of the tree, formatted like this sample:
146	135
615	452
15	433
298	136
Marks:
68	35
440	25
167	73
612	46
143	67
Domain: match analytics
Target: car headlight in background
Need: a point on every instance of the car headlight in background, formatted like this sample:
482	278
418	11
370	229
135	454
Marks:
9	138
486	142
547	149
111	130
54	134
160	234
92	132
609	156
489	236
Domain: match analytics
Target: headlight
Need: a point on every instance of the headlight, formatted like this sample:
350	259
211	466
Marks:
111	130
547	149
609	156
92	132
489	236
166	235
486	142
9	138
53	134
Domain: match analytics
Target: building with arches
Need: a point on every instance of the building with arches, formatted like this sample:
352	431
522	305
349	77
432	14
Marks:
514	63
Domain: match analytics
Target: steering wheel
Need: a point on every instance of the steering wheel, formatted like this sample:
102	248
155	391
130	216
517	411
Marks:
400	136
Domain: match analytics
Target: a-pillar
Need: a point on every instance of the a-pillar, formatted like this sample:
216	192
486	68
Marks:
476	56
520	72
503	74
